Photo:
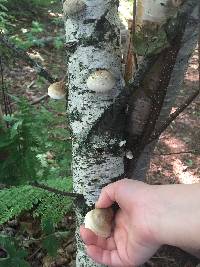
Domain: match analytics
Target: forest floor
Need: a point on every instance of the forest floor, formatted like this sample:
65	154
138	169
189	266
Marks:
176	158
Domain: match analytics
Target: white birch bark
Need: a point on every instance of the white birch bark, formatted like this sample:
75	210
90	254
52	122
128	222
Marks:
97	154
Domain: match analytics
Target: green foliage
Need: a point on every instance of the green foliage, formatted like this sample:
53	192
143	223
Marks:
28	4
47	245
58	43
21	143
15	256
30	36
44	144
34	37
50	238
34	146
3	15
45	205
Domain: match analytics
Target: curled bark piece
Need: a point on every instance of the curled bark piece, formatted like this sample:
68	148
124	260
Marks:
100	221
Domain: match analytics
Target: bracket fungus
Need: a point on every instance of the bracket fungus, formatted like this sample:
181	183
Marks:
73	7
100	221
101	81
57	90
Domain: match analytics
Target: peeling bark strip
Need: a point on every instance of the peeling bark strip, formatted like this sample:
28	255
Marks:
94	73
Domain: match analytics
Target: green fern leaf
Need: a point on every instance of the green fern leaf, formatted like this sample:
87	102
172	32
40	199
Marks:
15	256
51	244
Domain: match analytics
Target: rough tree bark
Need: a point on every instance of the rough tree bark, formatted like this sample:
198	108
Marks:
92	38
99	109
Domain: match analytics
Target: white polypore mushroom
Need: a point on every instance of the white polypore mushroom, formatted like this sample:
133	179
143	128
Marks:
129	155
100	221
101	81
57	90
73	7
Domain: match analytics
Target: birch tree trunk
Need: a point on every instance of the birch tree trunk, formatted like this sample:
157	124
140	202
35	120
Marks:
95	81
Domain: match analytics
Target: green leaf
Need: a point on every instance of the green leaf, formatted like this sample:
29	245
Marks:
48	227
15	256
51	244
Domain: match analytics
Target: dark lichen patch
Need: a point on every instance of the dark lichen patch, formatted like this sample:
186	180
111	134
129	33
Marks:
75	116
104	31
89	21
81	66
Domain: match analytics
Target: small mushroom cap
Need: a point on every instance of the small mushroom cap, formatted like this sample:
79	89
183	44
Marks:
101	81
57	90
129	155
73	7
100	221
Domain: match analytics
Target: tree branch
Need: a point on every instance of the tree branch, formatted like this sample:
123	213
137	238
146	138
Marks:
173	116
20	53
56	191
177	153
38	100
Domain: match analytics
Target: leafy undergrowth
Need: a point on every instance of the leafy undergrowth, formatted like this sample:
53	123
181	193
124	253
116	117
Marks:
37	145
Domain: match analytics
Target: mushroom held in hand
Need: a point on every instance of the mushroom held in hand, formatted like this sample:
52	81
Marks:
100	221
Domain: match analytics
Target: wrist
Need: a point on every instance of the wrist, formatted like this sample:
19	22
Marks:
177	220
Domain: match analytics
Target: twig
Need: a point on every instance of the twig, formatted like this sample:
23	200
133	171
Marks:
34	253
56	191
163	258
20	53
39	99
173	116
6	98
133	30
177	153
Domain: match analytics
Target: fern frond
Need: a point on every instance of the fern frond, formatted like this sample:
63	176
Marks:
15	256
44	204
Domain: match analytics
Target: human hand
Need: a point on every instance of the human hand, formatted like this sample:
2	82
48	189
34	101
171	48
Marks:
133	240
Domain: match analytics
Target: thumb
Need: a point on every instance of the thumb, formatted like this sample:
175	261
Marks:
107	196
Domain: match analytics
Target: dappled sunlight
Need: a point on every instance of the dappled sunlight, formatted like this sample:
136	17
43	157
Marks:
183	174
192	74
35	55
174	144
125	12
